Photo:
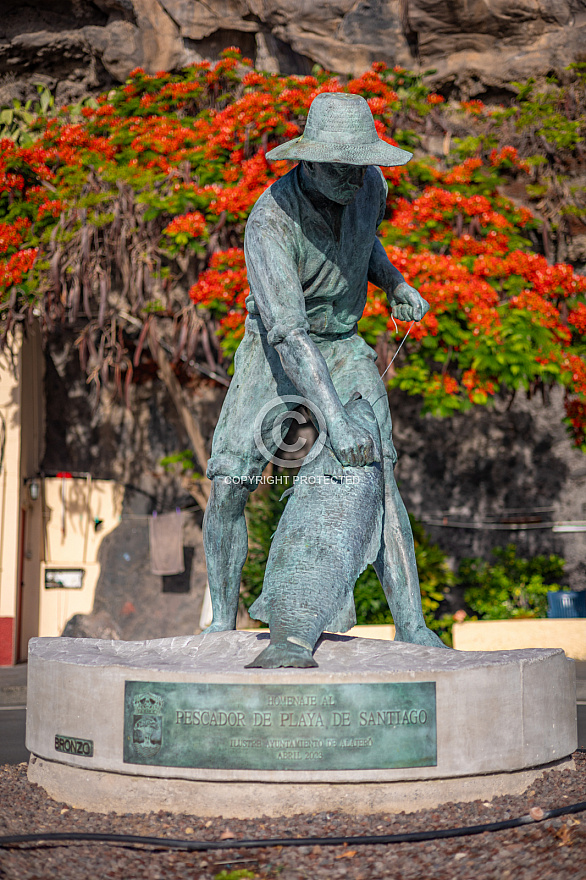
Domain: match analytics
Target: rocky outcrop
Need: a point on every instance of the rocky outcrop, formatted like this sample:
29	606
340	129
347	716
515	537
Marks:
81	46
474	45
91	626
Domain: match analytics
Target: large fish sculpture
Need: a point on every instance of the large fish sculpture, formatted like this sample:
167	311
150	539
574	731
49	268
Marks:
329	532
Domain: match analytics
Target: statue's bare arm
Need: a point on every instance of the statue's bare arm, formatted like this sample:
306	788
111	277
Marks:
305	366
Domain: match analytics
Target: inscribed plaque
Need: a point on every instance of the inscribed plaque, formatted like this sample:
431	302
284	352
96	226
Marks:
281	727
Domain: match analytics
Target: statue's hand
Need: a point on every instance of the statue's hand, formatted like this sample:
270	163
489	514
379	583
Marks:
352	444
408	304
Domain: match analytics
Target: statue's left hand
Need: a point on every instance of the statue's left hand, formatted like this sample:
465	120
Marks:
408	304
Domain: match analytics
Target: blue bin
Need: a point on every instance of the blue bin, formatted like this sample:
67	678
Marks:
566	603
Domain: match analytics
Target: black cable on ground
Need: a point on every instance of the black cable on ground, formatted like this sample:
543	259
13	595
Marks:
363	840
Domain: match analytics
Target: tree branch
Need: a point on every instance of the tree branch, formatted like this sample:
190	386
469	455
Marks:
168	377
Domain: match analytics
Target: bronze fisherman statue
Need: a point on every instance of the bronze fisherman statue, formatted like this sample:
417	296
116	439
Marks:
311	248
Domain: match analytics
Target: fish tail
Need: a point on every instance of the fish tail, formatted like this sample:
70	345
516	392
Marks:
284	654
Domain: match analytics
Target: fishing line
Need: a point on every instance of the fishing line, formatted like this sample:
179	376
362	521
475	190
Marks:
389	365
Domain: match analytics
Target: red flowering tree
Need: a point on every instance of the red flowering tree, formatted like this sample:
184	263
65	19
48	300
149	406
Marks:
127	224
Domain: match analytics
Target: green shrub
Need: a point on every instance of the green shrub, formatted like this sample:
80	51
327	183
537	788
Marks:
513	587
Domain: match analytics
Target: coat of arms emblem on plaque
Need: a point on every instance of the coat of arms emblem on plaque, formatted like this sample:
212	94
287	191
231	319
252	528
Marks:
147	726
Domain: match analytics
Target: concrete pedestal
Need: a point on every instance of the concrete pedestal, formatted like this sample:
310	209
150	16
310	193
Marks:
180	724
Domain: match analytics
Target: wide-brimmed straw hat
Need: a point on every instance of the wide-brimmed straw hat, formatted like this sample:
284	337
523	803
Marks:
340	128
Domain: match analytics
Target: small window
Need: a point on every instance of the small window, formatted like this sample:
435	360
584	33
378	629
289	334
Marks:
64	578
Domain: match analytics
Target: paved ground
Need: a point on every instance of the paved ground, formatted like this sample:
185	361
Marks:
13	712
12	726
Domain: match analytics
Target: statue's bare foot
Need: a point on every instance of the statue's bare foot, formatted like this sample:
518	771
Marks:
419	636
218	626
288	655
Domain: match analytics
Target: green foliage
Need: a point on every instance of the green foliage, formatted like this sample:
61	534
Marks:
183	461
546	112
514	587
579	68
370	601
129	205
239	874
16	119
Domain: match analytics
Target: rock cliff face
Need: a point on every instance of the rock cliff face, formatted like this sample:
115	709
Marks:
475	45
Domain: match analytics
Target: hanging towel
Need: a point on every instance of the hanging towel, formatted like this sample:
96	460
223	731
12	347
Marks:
166	543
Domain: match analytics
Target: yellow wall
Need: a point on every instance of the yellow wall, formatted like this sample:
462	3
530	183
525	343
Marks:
10	399
21	408
507	635
31	454
70	508
56	531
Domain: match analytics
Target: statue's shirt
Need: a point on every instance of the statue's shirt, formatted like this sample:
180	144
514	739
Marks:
301	275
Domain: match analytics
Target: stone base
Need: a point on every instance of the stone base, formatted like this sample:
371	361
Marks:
181	724
116	792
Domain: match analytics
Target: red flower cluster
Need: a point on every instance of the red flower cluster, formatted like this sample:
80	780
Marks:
237	200
577	318
508	155
223	287
438	207
551	282
576	420
462	173
16	268
12	235
193	225
474	107
576	368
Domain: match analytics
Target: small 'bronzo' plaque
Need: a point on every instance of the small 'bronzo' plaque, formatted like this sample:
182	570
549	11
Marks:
73	745
281	727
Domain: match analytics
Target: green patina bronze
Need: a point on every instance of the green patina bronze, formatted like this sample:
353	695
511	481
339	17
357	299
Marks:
311	248
281	727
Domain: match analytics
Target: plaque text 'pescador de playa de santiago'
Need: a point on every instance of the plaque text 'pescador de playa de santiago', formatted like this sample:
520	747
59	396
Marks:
280	727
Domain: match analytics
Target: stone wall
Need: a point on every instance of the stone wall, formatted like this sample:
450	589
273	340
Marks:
476	46
487	478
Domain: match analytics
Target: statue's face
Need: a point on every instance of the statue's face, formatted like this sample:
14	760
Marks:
336	181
